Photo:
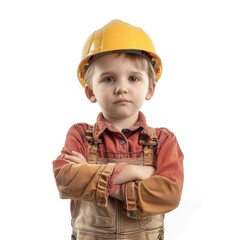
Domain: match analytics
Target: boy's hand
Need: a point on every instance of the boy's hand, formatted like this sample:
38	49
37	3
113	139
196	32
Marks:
133	173
144	172
76	157
117	194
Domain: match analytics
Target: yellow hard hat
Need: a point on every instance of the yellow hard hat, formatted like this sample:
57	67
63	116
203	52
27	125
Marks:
118	36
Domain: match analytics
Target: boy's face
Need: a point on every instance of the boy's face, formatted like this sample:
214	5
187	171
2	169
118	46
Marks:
119	87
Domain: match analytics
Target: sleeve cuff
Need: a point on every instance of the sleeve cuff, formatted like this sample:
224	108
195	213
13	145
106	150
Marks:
101	191
111	186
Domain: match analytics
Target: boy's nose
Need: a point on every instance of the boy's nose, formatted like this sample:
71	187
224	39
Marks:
120	90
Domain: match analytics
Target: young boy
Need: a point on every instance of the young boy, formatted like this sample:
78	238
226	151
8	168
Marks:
121	175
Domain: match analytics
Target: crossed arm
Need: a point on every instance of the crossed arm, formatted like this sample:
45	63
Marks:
129	172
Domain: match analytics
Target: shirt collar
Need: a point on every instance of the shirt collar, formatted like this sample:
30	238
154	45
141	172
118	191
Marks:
101	125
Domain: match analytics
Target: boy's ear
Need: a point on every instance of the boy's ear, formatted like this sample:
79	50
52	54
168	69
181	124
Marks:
150	92
90	95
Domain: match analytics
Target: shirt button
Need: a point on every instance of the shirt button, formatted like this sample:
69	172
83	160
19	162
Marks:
122	142
133	214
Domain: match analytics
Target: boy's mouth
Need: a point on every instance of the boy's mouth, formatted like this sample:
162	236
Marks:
121	101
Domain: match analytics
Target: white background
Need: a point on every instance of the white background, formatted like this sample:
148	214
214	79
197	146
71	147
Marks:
197	98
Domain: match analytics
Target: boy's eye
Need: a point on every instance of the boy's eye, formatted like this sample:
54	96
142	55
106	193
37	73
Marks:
108	79
133	79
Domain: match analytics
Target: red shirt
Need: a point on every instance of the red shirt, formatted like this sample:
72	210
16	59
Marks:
157	194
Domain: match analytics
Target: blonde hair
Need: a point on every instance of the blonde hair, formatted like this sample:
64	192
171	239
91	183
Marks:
138	60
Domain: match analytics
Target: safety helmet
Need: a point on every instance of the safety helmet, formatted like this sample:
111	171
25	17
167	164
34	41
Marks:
118	36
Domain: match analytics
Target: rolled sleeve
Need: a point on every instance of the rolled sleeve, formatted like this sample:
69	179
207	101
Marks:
103	183
86	182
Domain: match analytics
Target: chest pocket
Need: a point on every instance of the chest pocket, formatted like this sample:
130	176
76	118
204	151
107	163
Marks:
144	140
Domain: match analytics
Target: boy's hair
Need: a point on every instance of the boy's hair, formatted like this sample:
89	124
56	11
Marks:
139	61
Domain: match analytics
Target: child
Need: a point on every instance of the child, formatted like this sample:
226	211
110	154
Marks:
121	175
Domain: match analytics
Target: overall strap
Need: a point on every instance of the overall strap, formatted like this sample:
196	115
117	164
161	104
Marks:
92	146
148	143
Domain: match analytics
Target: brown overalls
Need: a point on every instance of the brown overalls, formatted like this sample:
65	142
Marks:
91	222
